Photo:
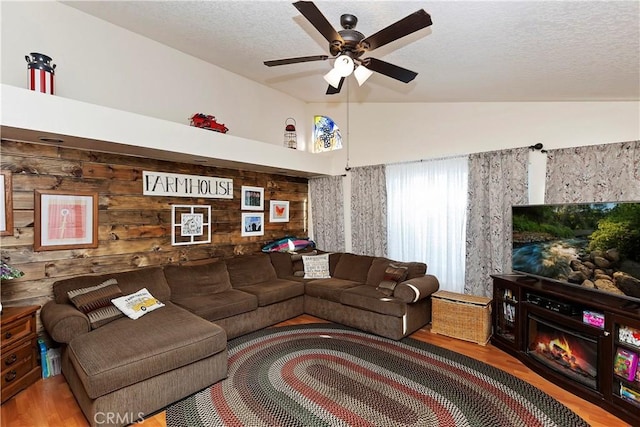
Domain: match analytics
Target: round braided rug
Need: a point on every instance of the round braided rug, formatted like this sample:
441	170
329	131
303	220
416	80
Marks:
330	375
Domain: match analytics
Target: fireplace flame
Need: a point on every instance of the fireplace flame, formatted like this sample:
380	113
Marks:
560	345
559	349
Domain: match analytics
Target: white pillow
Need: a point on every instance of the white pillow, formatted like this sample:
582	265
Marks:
316	267
137	304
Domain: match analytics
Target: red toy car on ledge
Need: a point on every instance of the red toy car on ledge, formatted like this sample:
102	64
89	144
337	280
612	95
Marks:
204	121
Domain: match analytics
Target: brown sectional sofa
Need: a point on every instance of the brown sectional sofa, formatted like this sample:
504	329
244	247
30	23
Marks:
241	294
351	297
127	369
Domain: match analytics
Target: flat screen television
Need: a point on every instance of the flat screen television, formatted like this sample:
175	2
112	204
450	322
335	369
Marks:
592	245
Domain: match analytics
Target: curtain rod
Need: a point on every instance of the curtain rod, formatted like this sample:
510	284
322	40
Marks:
536	147
426	160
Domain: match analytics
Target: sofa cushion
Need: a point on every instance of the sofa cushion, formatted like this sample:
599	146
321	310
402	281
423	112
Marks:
416	269
368	298
129	282
195	280
376	271
95	302
282	263
126	351
248	270
219	305
275	291
316	266
353	267
328	289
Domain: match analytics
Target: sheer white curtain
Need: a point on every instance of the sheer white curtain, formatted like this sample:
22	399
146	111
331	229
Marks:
427	211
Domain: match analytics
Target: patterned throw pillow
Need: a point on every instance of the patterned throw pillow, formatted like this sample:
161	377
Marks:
137	304
95	302
393	275
316	267
296	262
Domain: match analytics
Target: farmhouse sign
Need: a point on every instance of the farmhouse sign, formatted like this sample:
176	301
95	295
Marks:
179	185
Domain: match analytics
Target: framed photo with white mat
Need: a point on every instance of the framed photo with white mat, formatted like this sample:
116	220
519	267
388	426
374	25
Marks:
190	224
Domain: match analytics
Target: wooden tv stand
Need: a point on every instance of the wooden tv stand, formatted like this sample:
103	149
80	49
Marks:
517	299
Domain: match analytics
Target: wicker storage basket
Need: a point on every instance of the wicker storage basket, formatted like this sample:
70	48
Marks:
467	317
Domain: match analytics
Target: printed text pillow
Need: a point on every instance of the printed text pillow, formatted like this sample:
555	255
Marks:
137	304
316	267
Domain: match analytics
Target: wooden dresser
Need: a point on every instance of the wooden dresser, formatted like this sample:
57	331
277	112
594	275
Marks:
20	365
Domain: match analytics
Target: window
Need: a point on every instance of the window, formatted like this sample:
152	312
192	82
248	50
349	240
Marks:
326	135
426	216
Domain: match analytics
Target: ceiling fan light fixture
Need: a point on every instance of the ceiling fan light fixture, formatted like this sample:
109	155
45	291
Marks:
344	65
361	74
333	77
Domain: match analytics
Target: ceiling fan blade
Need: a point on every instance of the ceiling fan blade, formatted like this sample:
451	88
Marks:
389	70
318	20
296	60
332	90
404	27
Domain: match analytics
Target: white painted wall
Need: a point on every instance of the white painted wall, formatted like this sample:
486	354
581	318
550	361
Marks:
100	63
390	133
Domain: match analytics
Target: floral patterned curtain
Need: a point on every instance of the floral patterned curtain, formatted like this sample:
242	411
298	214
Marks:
369	211
497	180
327	212
596	173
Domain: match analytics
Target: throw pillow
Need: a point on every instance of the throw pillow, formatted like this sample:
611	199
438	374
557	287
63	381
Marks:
393	275
316	267
95	302
296	262
137	304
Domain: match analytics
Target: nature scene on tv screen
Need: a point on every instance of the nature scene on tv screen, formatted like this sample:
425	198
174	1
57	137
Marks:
593	245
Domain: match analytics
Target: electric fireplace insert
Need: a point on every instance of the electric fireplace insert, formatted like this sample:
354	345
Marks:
568	352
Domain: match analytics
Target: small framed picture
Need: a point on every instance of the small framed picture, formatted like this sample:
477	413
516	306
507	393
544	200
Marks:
65	220
6	204
252	198
252	224
279	211
190	224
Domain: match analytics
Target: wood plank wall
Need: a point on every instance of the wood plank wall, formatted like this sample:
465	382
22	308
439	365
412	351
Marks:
134	230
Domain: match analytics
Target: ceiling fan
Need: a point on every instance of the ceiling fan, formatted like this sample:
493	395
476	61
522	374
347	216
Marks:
348	45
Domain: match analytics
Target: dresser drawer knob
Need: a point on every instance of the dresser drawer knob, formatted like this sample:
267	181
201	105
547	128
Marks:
11	359
11	375
8	335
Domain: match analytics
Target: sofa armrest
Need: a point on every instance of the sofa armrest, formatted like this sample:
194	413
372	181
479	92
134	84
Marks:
416	289
63	322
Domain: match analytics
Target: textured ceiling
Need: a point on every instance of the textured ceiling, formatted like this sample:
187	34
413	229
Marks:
475	51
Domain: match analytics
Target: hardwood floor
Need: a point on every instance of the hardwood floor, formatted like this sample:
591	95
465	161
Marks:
50	402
